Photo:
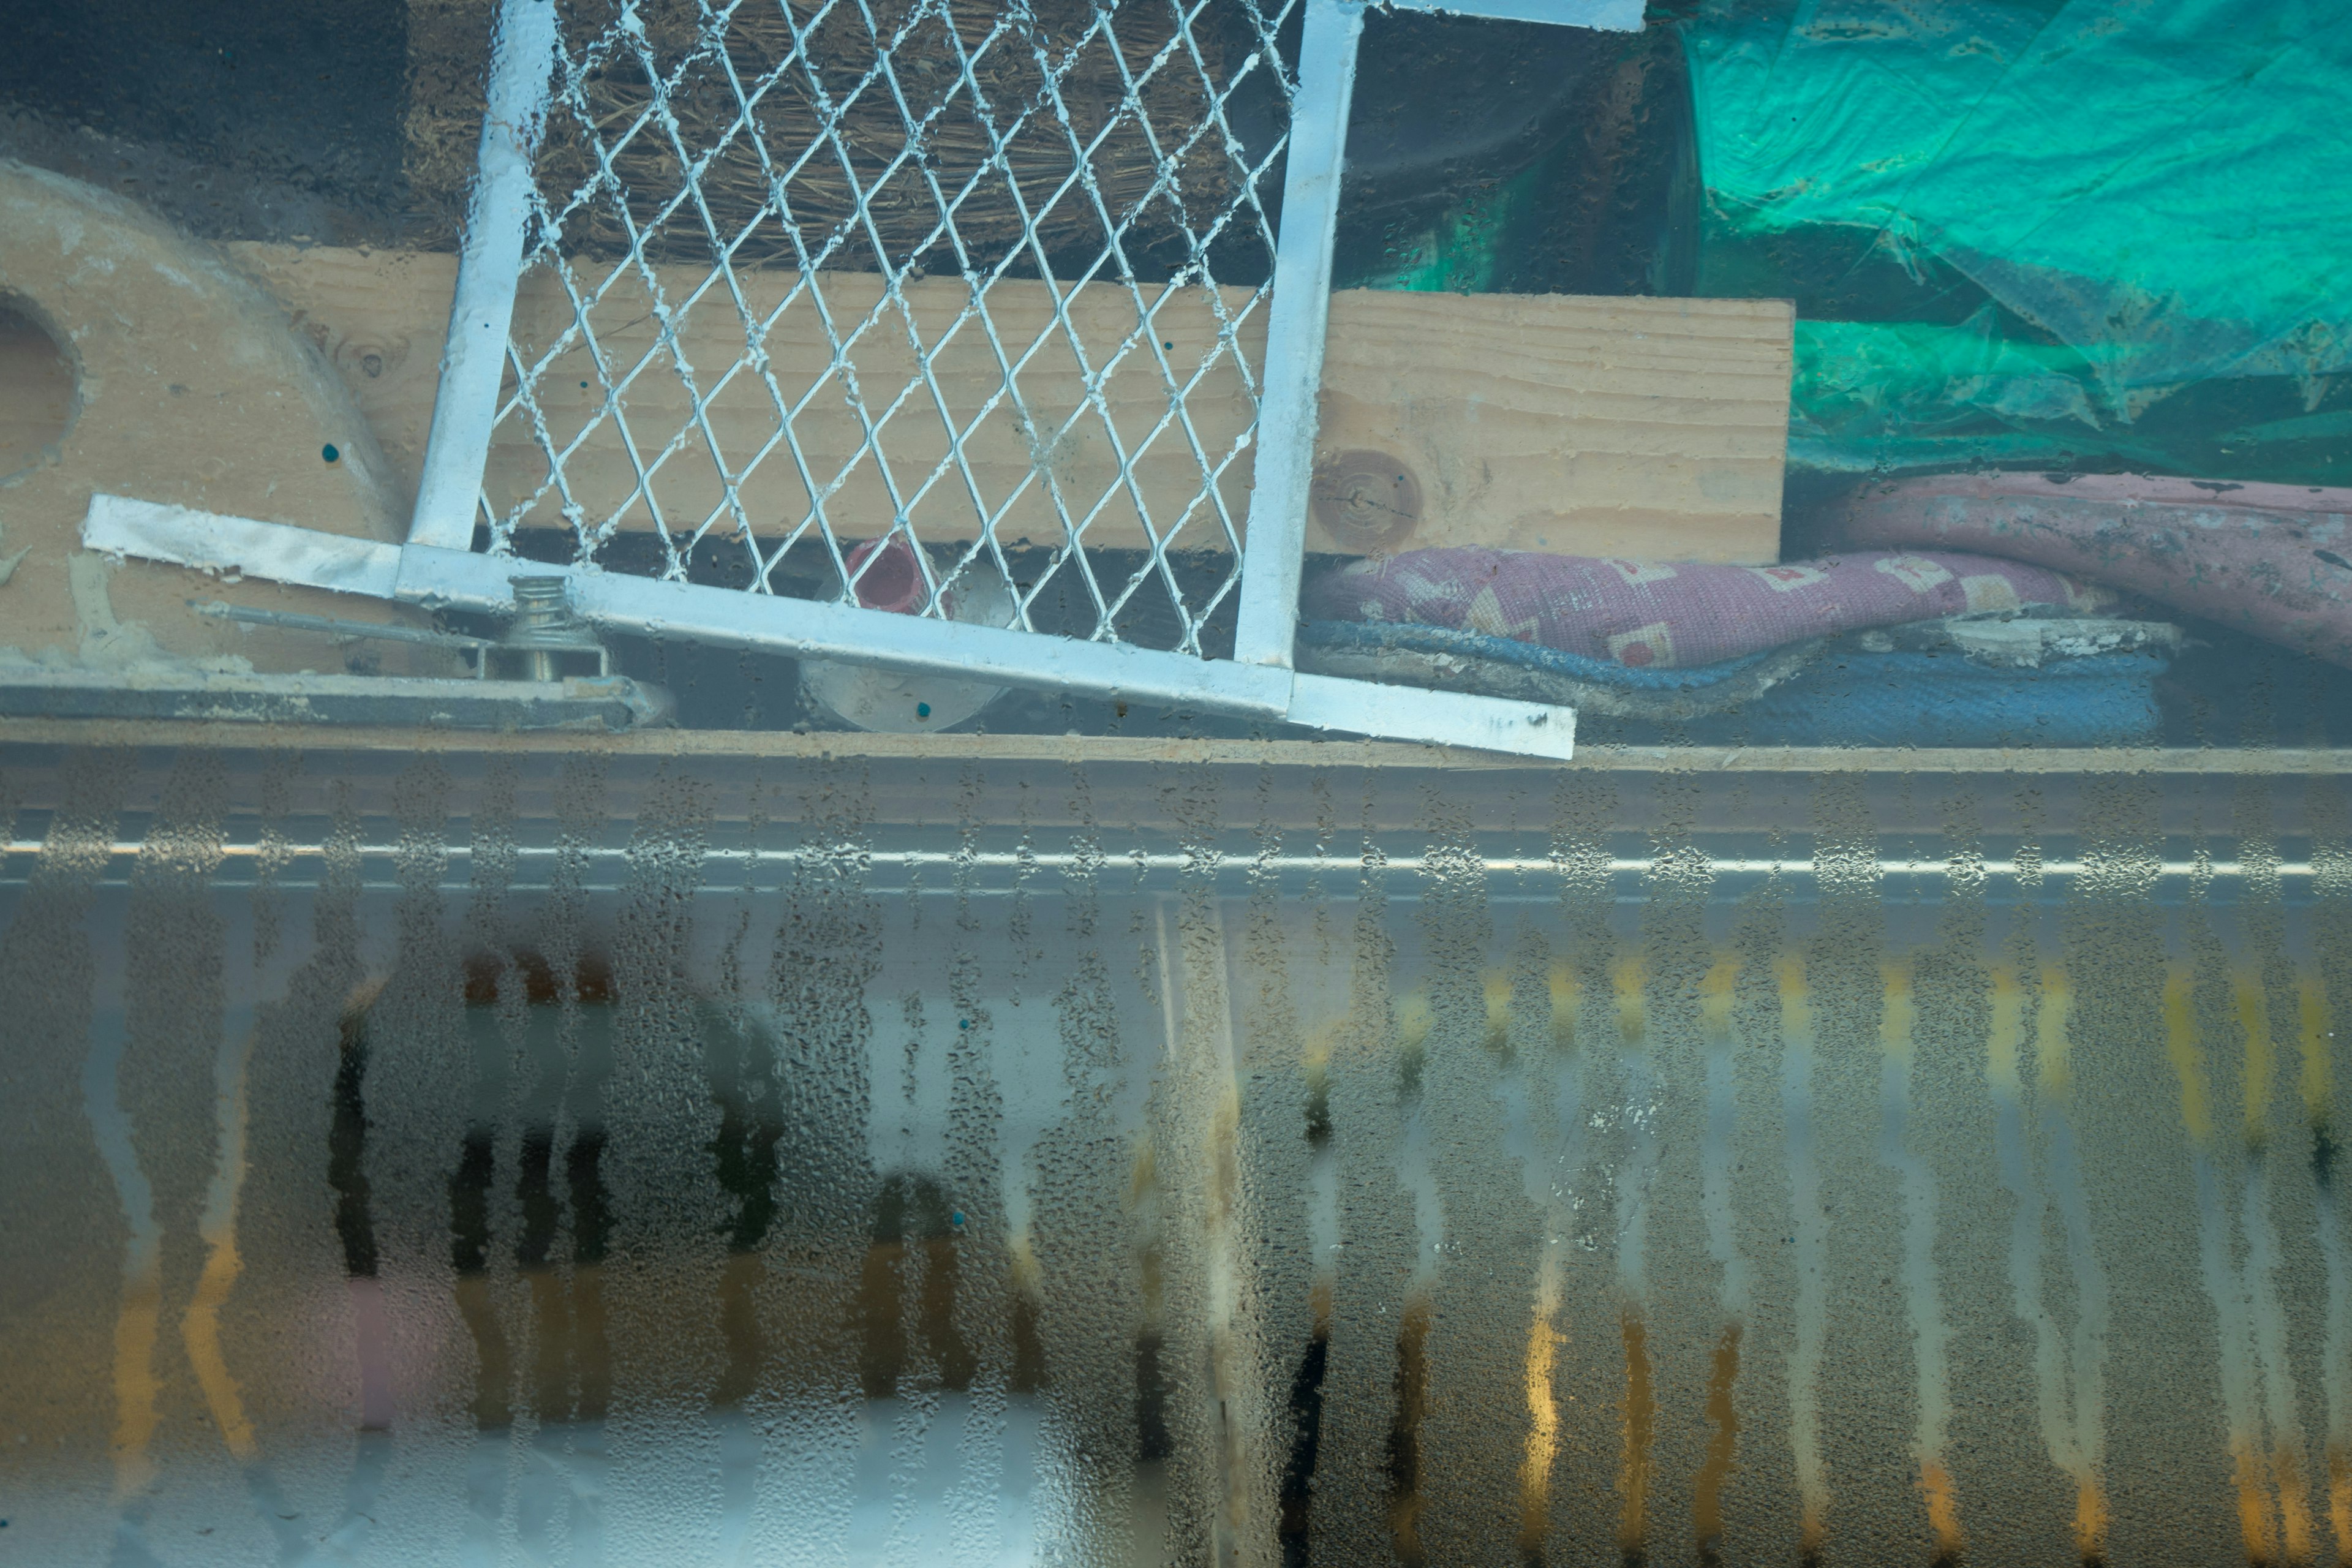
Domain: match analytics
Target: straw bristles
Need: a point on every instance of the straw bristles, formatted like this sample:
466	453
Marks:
834	122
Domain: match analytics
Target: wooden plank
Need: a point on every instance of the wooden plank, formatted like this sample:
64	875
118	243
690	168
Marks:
2285	762
1640	428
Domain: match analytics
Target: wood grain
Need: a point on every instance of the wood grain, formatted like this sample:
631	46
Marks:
1643	428
1114	751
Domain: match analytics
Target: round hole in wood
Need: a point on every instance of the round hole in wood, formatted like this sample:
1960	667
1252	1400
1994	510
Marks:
38	389
1367	501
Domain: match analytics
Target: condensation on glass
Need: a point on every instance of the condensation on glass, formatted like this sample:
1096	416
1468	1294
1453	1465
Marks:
543	1158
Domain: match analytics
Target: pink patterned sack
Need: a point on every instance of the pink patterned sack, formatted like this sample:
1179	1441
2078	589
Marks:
1674	615
2273	561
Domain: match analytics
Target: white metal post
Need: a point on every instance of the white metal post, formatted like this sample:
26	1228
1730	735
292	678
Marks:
489	264
1276	550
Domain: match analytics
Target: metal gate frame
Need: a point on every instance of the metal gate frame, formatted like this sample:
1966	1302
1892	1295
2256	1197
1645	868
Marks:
437	567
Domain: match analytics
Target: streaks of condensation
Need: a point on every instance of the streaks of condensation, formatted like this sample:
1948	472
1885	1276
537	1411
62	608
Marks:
1723	1246
1538	999
2267	1318
1722	1444
2185	1050
139	1313
1715	1147
1419	1180
173	1087
2070	1374
1812	1242
1323	1238
1543	1420
1641	1421
135	1387
1406	1498
1638	1109
1414	1022
1923	1299
59	1210
2267	1005
2315	1082
216	1228
2269	1527
1195	1114
1542	1008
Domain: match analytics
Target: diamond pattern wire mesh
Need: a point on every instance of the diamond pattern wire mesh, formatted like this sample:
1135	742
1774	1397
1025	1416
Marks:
967	295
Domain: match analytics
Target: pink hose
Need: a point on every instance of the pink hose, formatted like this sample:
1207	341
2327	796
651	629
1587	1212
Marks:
2271	560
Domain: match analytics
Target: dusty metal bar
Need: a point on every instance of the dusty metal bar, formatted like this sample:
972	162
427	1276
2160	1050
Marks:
489	266
806	628
322	704
1275	551
534	862
347	631
1435	718
117	525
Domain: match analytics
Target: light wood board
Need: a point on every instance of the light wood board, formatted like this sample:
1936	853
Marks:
2286	761
1642	427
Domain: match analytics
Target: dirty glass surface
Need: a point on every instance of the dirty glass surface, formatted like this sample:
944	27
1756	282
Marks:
533	1159
1834	1121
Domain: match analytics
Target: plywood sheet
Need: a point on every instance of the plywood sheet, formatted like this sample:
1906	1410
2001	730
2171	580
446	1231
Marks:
1642	427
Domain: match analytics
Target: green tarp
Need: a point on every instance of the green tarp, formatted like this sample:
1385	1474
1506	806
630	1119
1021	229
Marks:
2117	233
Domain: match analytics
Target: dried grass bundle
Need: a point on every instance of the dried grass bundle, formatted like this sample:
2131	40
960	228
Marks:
1031	65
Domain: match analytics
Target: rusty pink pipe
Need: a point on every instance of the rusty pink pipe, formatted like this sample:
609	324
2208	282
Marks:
2271	560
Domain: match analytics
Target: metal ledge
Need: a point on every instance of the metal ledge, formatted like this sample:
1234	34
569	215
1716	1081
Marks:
752	744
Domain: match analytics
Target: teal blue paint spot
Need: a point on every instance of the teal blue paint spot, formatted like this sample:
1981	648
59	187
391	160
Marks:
957	1217
922	710
328	452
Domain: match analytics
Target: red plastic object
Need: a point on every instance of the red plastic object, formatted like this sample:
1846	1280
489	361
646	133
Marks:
895	580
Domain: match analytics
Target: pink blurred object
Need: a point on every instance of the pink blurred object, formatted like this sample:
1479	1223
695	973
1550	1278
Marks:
1657	615
2271	560
895	580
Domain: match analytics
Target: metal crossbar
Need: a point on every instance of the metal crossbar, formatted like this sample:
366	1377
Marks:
956	337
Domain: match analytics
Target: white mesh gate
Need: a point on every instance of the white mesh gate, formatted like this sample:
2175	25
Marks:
959	337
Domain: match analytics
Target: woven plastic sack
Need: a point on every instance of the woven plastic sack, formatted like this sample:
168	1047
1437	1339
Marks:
1657	615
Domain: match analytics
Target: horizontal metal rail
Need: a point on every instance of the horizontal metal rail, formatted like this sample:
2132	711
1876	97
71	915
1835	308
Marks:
808	629
1109	866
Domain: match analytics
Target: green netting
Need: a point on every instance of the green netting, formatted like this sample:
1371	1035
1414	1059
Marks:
2023	232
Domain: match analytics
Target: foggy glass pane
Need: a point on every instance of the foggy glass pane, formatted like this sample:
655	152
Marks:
531	1158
